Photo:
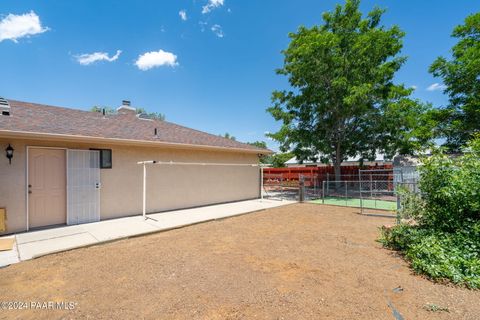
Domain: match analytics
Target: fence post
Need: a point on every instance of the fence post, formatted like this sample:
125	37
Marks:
281	188
361	195
371	185
398	204
346	193
398	195
323	192
328	184
301	189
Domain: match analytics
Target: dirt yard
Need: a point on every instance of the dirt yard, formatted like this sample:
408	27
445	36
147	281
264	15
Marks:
302	261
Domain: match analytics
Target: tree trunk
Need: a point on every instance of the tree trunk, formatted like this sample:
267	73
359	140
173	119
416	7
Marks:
337	167
338	170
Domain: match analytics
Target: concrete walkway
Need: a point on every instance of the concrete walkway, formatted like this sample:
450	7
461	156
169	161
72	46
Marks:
29	245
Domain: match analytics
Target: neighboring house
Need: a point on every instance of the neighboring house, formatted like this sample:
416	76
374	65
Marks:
351	161
71	166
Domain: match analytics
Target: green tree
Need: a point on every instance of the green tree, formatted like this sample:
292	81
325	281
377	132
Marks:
110	110
461	75
343	100
278	159
152	115
258	144
228	136
265	159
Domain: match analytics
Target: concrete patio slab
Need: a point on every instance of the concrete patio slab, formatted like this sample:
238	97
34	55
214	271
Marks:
42	242
55	232
118	228
31	250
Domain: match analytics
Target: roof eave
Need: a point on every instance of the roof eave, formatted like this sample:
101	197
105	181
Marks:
117	141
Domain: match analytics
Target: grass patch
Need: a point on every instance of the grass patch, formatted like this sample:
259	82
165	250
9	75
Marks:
356	202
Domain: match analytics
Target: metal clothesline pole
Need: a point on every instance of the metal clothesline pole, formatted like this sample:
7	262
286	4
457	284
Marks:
144	205
261	182
174	163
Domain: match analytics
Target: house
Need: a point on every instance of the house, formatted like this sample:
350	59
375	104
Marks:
66	166
380	159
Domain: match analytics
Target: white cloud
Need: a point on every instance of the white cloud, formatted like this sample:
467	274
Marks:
14	27
436	86
154	59
212	4
89	58
217	29
183	15
414	87
202	24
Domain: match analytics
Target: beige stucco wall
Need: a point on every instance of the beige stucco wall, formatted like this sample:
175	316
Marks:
169	187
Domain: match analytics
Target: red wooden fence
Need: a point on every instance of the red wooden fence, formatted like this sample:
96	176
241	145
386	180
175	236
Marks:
349	173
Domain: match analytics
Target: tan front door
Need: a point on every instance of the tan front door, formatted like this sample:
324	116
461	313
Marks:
46	187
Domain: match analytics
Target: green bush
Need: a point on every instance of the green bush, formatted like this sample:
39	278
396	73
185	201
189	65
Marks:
444	240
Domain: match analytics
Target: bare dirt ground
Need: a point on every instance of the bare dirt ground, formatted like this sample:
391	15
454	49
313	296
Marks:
302	261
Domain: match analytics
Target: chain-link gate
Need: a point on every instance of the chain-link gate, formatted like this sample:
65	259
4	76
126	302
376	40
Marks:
273	186
373	191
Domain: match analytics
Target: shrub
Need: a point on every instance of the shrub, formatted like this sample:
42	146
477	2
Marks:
451	189
444	242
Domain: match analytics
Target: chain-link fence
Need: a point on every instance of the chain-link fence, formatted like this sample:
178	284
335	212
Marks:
408	174
277	187
366	195
373	191
272	187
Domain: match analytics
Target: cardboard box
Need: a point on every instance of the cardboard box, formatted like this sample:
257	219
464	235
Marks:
3	218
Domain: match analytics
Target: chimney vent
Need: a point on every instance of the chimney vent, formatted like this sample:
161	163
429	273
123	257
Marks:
125	108
4	107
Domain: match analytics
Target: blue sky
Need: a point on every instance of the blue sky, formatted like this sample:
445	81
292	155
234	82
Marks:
213	71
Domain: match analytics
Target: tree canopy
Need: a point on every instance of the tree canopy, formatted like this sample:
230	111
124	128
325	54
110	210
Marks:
258	144
153	115
228	136
278	159
110	110
461	75
343	100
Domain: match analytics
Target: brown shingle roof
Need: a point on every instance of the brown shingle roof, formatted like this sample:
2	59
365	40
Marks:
43	119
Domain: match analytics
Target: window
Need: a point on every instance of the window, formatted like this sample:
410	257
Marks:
105	158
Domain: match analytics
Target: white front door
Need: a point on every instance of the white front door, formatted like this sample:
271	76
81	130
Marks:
83	186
